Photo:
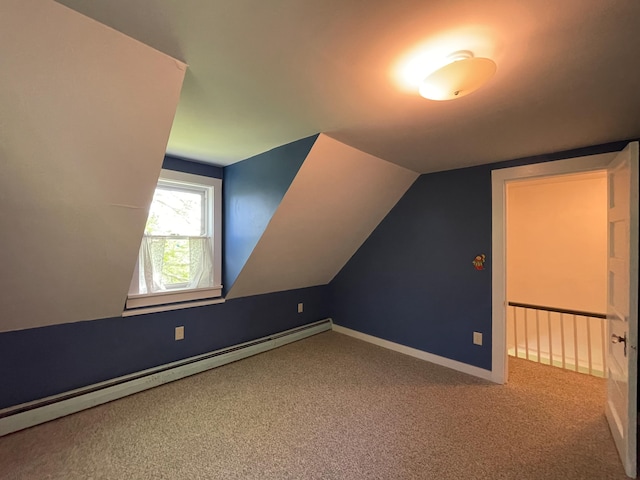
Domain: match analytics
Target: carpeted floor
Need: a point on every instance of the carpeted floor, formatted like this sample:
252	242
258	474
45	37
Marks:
332	407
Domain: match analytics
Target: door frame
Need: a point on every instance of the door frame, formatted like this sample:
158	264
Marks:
499	180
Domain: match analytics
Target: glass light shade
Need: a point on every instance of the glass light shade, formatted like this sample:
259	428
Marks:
458	78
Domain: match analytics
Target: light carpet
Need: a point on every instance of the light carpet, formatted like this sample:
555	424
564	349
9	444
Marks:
332	407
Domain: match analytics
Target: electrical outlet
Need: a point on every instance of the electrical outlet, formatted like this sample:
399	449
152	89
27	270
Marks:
180	333
300	307
477	338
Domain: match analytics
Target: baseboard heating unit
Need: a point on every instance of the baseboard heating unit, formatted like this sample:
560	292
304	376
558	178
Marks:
33	413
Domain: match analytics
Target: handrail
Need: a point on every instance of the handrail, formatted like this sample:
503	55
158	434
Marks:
558	310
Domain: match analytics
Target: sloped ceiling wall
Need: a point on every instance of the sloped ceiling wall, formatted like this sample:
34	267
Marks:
338	197
84	123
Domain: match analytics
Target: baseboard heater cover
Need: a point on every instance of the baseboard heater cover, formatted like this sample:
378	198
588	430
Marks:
29	414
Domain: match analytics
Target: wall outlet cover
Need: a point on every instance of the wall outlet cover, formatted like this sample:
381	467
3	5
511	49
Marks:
180	333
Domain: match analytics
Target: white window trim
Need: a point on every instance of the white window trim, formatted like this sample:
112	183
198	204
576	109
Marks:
172	300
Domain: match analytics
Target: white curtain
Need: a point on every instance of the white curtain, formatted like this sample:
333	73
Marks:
152	261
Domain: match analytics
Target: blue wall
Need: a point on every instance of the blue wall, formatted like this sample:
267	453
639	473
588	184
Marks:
412	282
252	191
39	362
187	166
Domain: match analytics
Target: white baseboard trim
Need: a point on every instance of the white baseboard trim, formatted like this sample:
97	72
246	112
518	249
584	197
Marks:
29	414
413	352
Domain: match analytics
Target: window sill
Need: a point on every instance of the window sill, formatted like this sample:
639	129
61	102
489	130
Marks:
160	302
171	306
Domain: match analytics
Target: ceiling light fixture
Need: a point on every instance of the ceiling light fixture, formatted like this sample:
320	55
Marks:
462	75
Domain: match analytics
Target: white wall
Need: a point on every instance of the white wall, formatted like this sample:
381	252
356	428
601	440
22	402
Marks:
85	115
556	241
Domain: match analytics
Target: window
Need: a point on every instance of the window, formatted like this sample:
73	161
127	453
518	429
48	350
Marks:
179	259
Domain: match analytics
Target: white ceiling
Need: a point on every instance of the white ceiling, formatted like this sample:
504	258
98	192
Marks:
263	74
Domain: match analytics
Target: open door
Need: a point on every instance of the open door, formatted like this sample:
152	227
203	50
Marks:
622	300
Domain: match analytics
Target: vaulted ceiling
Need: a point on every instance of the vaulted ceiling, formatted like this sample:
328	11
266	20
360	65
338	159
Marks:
262	74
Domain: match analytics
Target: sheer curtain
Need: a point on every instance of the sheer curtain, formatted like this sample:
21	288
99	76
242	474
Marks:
153	263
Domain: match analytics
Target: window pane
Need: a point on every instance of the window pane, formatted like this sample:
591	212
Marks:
176	212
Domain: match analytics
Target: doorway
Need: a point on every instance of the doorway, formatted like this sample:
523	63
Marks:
556	247
499	180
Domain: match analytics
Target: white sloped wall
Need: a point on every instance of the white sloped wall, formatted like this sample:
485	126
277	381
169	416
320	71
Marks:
84	121
336	200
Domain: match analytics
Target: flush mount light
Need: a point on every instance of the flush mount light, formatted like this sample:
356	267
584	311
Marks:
462	75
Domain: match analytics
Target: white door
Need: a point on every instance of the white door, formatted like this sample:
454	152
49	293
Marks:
622	300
